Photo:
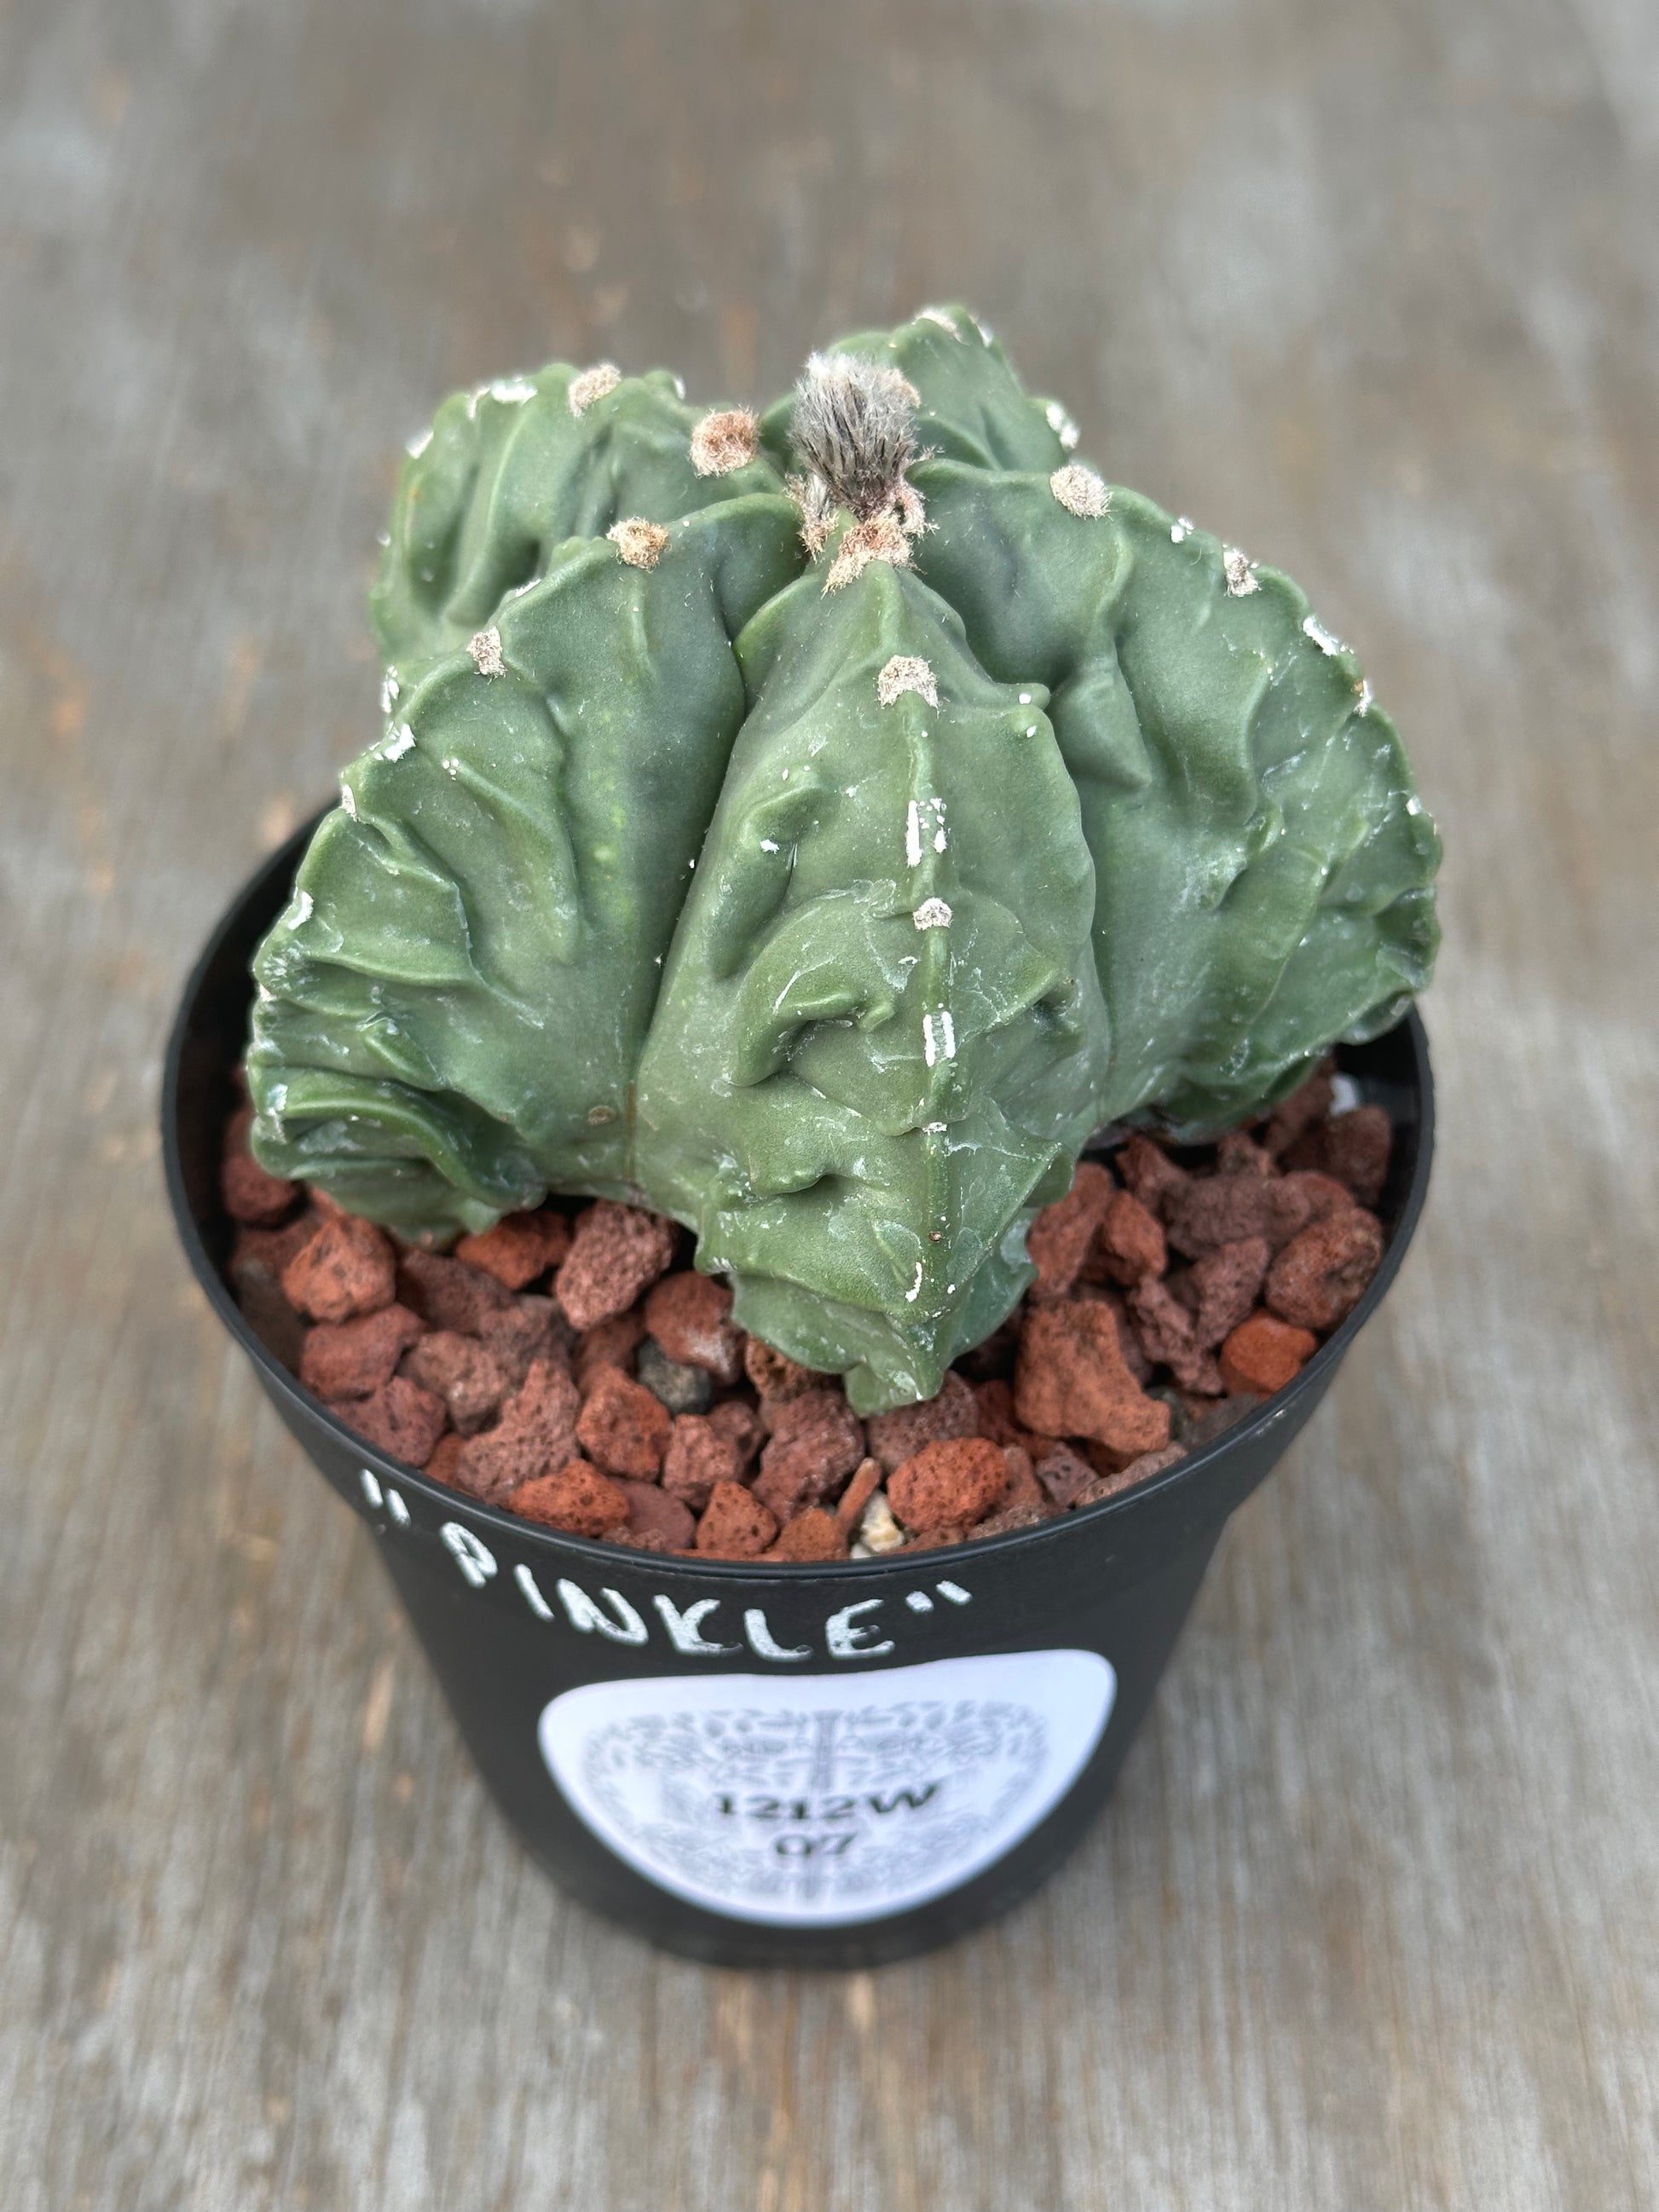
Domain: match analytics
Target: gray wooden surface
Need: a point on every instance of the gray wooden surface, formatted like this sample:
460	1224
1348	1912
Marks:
1371	286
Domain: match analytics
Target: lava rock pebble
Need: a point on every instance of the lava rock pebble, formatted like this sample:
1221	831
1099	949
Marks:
472	1380
1058	1240
610	1344
815	1443
1072	1381
690	1317
1130	1241
1226	1283
699	1455
949	1484
734	1524
655	1514
399	1418
348	1268
815	1533
1263	1353
681	1387
896	1437
535	1435
449	1294
1318	1278
615	1253
349	1358
622	1427
776	1377
575	1498
1355	1147
518	1249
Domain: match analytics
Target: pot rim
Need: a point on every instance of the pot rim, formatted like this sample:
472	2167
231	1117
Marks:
1188	1472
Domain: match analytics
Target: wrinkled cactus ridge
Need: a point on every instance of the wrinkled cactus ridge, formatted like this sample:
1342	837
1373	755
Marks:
816	829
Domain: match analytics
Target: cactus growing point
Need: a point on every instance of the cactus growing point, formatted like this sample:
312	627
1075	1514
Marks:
815	828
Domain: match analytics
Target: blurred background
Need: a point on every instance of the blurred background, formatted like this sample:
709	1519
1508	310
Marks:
1370	287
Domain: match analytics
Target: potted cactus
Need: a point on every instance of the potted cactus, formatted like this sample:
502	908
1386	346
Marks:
796	841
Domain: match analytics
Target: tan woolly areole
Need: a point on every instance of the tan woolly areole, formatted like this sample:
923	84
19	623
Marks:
1080	491
1241	578
486	651
932	914
946	322
593	384
641	543
726	439
882	539
907	672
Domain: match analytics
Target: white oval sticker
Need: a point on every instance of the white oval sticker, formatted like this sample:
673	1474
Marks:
824	1799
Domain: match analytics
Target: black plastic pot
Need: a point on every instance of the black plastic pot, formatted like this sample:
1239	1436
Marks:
822	1765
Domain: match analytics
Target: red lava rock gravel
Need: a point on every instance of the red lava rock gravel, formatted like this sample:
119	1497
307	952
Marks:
1062	1234
698	1456
1108	1485
577	1498
446	1459
814	1534
894	1438
1130	1242
1300	1111
1062	1474
616	1252
817	1441
518	1249
1263	1353
347	1268
610	1344
950	1484
536	1433
399	1417
252	1196
349	1358
1021	1491
1317	1279
1173	1296
1151	1175
622	1427
690	1317
997	1418
656	1517
1353	1147
865	1483
1225	1285
1071	1381
776	1378
740	1426
735	1524
525	1330
448	1294
473	1382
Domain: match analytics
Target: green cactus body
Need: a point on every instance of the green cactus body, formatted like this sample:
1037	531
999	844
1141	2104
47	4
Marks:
451	1008
509	472
1263	863
880	1028
828	912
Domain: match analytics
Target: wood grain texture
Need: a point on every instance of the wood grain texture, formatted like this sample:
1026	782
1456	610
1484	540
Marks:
1374	290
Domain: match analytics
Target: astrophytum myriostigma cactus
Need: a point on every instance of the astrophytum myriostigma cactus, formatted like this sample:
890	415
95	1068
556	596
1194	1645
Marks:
815	828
